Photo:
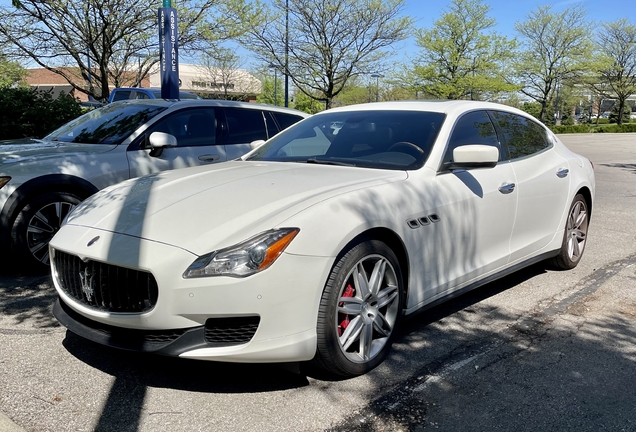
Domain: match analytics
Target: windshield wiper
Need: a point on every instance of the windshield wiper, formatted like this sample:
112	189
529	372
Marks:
328	162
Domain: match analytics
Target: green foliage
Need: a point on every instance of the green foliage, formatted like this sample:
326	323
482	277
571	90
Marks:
532	108
588	128
563	129
267	91
626	117
31	113
613	128
11	73
307	104
614	64
459	59
557	50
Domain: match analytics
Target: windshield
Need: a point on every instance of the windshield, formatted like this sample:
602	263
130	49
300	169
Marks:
371	139
107	125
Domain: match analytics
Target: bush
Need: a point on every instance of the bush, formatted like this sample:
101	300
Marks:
625	127
581	128
31	113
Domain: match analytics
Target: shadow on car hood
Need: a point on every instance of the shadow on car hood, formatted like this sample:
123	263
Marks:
31	149
203	208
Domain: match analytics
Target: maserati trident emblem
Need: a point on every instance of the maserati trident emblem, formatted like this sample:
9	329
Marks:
86	279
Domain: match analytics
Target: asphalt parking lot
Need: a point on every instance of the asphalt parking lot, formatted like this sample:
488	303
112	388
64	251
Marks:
538	350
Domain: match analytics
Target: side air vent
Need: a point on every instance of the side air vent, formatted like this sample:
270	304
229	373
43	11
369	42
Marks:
434	218
413	223
424	220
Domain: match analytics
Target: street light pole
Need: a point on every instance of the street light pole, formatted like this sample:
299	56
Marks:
286	53
377	77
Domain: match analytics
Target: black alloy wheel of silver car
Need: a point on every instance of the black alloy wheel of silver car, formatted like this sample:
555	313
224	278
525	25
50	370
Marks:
575	235
360	310
35	226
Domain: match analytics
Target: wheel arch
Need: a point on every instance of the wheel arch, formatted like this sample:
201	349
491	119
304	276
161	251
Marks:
393	241
39	185
587	194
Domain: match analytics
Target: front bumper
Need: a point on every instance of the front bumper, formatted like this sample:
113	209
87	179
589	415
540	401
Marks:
284	298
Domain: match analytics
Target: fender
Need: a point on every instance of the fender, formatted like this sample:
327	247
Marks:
45	183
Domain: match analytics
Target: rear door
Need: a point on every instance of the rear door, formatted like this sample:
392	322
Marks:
242	127
198	142
543	183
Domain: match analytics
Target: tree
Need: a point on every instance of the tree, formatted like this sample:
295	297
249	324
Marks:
11	73
458	58
614	74
557	49
118	38
268	89
330	41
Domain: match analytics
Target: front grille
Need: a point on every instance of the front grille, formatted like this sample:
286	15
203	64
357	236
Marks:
105	287
230	331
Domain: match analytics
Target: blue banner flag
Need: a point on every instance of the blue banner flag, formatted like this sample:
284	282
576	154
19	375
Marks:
168	53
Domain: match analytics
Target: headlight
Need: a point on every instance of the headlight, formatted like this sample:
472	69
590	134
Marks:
243	259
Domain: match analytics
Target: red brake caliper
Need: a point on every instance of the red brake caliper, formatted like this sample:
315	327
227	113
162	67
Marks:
344	318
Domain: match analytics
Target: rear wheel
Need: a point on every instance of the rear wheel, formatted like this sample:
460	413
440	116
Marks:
35	226
575	236
360	310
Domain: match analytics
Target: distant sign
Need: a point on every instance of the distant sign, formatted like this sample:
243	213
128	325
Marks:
168	53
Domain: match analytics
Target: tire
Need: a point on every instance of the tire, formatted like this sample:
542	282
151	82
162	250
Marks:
362	301
36	224
575	235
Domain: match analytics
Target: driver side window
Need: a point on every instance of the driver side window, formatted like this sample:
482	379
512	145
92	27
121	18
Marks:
472	128
192	127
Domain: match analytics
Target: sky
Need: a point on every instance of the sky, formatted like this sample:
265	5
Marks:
507	12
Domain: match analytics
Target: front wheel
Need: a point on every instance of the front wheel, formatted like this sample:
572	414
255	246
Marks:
575	236
360	310
35	226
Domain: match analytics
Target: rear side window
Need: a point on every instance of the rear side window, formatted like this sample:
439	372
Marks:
286	120
244	126
523	136
472	128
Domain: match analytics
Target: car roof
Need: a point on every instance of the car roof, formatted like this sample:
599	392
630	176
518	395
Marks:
211	102
441	106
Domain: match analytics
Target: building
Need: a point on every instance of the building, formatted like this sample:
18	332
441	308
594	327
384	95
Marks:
214	83
208	82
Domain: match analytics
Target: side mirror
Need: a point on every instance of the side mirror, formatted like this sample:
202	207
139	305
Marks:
256	144
474	156
159	141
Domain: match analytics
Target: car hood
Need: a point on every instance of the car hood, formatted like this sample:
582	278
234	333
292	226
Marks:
34	150
205	208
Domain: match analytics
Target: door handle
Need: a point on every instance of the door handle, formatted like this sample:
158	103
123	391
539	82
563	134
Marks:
507	188
563	172
208	158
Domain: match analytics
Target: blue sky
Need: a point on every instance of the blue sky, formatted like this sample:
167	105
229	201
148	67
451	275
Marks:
507	12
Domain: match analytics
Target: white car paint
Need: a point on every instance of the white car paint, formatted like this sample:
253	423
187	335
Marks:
162	223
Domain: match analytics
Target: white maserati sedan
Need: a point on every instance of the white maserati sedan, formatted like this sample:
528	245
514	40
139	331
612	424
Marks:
315	245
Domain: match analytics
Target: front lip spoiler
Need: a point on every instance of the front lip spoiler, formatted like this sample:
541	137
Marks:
165	342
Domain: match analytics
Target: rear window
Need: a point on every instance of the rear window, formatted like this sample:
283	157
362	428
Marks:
107	125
